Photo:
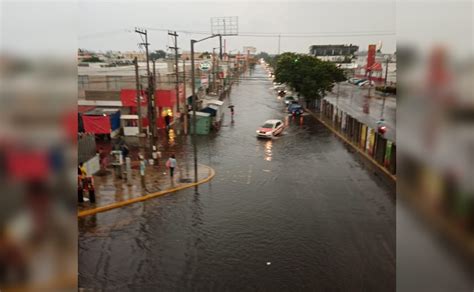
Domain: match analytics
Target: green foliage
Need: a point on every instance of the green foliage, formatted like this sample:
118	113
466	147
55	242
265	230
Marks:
159	54
267	57
205	55
92	59
306	74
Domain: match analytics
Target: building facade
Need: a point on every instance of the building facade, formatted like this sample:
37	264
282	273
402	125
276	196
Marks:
334	53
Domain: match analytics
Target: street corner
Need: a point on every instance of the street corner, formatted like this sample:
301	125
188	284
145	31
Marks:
113	192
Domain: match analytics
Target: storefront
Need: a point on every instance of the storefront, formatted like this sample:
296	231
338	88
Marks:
165	101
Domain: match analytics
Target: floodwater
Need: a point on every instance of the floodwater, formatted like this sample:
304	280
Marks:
298	212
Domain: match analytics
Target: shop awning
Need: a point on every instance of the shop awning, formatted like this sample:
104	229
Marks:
165	98
97	124
129	97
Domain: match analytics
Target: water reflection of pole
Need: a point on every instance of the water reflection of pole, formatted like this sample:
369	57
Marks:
352	94
383	106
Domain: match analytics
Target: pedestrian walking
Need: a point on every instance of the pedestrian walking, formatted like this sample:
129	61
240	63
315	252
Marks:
171	164
142	170
82	171
167	121
125	151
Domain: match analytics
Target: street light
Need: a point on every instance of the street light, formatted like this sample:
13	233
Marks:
387	60
193	86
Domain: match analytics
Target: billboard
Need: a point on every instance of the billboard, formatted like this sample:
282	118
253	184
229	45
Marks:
371	56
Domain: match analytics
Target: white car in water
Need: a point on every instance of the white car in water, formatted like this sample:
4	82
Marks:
270	129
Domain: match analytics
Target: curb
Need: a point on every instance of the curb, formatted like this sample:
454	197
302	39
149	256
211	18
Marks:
145	197
367	156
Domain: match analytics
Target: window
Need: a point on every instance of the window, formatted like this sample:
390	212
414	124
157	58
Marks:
83	81
277	125
113	82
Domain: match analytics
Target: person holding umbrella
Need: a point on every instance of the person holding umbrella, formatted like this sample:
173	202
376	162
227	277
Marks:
231	111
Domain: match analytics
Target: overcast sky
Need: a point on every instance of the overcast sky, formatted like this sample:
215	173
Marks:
103	26
60	27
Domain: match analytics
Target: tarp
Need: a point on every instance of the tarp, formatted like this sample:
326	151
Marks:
115	120
209	110
28	164
129	97
165	98
71	124
97	124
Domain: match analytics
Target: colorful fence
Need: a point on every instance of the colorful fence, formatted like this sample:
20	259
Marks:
383	151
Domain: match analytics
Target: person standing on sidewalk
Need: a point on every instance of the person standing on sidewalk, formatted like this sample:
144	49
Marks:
142	170
103	159
171	164
167	122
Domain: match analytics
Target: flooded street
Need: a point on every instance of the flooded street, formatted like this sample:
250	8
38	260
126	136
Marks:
299	212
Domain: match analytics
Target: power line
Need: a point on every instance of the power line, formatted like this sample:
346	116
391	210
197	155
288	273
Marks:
260	34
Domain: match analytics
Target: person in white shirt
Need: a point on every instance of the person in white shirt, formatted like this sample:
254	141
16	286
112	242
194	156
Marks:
171	164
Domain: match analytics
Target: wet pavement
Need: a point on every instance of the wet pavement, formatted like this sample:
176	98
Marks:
111	189
352	98
299	212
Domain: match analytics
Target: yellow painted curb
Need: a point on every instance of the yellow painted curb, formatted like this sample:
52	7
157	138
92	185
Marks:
383	169
144	198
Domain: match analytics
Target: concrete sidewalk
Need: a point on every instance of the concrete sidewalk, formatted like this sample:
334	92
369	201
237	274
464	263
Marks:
111	190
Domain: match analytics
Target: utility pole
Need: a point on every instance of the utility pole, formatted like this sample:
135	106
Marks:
248	59
185	99
139	103
279	37
220	47
175	48
193	86
214	70
225	46
150	90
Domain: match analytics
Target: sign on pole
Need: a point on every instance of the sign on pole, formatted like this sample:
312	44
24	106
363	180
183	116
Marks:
205	66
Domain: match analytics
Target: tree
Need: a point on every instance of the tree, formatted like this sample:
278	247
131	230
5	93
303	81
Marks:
93	59
205	55
267	57
307	75
158	54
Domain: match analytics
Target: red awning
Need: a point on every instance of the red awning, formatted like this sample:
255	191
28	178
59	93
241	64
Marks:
129	97
70	125
28	164
96	124
165	98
